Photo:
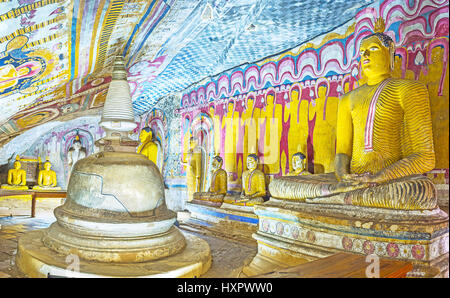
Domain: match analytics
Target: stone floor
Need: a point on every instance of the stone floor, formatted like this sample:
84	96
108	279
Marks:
229	255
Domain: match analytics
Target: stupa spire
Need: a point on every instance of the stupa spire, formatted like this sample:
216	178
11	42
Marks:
118	112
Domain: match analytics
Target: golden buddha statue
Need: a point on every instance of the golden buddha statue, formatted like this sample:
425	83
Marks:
47	178
384	142
298	165
218	185
193	168
253	185
17	177
148	147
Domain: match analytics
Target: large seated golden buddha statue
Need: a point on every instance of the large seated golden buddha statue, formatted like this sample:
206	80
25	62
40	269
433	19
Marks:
17	177
384	142
253	185
218	185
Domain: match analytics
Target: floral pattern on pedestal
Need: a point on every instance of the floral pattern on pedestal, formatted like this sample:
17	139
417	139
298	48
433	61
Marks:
295	233
368	247
347	243
418	252
280	228
310	236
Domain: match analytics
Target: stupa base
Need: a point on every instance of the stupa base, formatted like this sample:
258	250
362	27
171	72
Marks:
36	260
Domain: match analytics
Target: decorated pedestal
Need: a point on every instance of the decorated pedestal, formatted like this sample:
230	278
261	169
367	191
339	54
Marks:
291	233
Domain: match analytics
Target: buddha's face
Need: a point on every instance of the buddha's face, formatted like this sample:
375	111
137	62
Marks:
251	163
298	163
47	166
216	164
17	165
375	58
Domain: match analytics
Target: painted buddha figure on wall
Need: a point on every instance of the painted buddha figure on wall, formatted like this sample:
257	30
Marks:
148	147
384	141
299	165
218	185
17	177
47	178
253	185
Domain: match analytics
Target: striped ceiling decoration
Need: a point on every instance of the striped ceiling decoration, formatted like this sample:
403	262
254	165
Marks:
57	55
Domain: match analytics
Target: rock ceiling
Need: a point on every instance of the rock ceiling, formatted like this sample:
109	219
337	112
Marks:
56	55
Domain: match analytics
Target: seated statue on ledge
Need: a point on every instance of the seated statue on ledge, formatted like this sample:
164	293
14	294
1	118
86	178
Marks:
219	181
253	185
17	177
384	142
299	165
47	178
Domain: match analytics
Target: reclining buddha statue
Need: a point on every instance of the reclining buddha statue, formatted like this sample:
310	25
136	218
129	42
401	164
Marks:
218	185
253	185
384	142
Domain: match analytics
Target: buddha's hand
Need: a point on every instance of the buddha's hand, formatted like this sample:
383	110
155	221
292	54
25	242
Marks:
367	178
348	185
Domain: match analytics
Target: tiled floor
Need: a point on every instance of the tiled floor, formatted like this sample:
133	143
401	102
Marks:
228	256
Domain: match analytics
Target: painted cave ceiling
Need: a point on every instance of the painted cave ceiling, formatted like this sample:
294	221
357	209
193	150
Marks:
56	55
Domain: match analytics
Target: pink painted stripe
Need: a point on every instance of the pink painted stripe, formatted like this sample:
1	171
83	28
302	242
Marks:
368	137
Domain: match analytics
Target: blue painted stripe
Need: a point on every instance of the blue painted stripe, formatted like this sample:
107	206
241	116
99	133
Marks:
166	10
73	32
224	215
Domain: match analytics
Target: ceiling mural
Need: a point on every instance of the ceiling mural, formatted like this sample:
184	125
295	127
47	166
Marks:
56	55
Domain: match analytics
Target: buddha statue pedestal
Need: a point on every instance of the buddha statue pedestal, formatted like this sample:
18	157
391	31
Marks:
291	232
14	187
46	188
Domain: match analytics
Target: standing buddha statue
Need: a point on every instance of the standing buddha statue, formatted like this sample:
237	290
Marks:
193	168
384	141
17	177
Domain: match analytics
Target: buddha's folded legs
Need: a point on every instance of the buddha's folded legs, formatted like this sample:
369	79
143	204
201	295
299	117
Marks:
409	193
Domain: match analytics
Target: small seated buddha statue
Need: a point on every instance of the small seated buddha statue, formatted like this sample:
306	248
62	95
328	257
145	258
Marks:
148	147
253	185
384	142
47	178
298	165
17	177
218	187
